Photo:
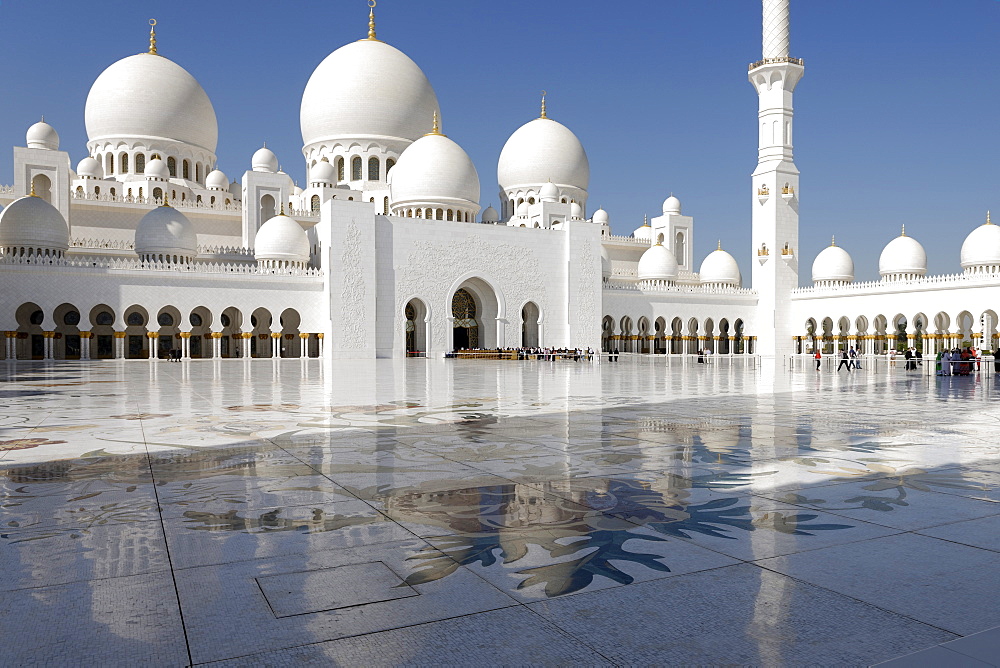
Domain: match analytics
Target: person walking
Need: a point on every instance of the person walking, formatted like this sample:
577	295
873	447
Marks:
817	356
845	361
854	359
615	355
908	356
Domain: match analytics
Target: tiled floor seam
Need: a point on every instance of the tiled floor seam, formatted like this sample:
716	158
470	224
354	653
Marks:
356	635
166	546
861	601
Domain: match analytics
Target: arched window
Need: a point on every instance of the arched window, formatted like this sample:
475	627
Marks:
114	193
124	164
679	248
314	203
440	214
340	169
129	192
356	168
198	199
109	162
42	186
451	215
157	193
266	208
212	201
79	190
97	190
197	172
186	169
389	164
140	163
373	169
420	213
172	166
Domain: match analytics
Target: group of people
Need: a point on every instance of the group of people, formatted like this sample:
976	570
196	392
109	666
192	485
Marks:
957	362
849	359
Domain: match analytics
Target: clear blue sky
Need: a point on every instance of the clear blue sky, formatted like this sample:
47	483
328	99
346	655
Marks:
896	118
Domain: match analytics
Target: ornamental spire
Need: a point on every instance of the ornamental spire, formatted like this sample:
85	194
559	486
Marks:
903	232
988	221
544	115
32	193
371	21
152	37
719	247
833	240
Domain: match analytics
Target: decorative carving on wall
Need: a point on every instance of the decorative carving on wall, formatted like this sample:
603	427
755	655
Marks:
353	311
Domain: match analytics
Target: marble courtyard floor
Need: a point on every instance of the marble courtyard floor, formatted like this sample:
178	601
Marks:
461	512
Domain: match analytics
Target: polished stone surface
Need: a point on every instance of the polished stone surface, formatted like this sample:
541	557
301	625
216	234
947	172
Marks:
263	512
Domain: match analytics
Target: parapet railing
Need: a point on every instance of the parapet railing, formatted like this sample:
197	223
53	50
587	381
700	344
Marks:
628	286
135	264
776	61
895	285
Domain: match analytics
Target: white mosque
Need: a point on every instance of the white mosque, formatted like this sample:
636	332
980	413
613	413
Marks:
146	247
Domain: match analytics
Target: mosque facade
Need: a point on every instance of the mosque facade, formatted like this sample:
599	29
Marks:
145	246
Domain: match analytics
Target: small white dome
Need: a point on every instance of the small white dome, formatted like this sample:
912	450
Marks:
31	222
490	215
903	256
150	98
720	267
90	168
833	264
644	233
522	209
366	89
296	190
982	247
672	205
216	179
156	169
657	264
167	231
575	211
322	172
549	192
601	217
264	160
540	151
282	239
42	135
434	169
605	262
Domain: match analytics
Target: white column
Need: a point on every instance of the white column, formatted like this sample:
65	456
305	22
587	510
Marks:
275	345
321	347
304	346
777	27
85	345
49	345
186	346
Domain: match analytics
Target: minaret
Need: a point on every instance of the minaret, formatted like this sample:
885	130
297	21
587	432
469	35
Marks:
775	186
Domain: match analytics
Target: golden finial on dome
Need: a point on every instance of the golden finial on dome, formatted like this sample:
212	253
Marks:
152	37
371	21
32	193
544	115
833	240
988	221
719	247
436	127
903	232
282	212
645	220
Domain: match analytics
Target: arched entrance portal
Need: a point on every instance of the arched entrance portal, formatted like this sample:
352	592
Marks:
416	328
529	325
466	329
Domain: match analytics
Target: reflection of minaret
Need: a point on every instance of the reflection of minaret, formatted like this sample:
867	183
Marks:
775	184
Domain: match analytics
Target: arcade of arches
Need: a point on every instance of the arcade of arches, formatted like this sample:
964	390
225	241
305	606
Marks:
880	334
676	337
68	332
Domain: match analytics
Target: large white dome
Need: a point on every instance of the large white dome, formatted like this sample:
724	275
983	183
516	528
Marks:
435	169
366	89
282	239
166	231
833	264
31	222
719	267
902	257
542	151
982	247
657	264
149	97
